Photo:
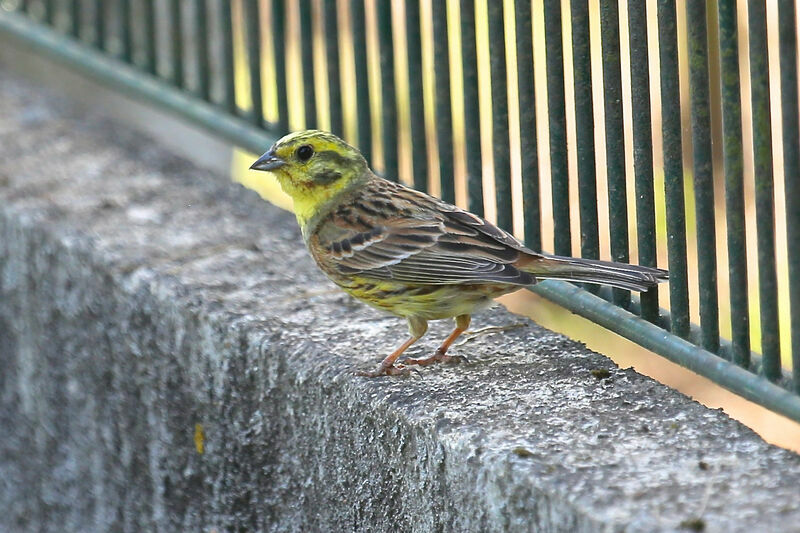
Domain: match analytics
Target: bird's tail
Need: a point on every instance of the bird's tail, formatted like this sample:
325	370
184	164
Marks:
620	275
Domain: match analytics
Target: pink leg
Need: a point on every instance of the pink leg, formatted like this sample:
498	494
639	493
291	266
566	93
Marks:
462	323
417	327
387	368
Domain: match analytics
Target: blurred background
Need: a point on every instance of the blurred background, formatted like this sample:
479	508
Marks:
326	94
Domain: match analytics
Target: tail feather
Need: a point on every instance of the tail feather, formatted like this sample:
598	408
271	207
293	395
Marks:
619	275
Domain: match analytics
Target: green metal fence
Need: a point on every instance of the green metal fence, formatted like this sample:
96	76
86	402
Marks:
182	55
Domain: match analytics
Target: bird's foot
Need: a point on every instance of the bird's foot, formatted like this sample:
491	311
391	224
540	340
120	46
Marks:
386	370
470	335
438	357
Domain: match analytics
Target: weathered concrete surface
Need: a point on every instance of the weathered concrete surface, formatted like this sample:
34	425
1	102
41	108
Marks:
142	299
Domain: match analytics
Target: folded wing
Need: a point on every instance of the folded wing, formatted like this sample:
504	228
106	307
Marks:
406	236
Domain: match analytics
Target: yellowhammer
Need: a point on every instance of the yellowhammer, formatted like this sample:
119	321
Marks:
409	253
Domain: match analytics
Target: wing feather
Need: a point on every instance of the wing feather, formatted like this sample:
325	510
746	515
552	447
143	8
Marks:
390	232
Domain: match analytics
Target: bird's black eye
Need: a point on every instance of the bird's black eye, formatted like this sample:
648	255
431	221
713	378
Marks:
304	153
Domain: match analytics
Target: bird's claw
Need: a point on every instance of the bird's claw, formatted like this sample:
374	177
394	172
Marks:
438	357
391	370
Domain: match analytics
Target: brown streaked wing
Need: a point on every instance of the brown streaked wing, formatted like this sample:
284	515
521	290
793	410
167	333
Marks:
392	232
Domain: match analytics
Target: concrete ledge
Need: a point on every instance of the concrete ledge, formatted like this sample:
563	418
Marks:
172	360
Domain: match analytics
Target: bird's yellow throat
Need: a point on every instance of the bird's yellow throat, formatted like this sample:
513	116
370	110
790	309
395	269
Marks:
309	199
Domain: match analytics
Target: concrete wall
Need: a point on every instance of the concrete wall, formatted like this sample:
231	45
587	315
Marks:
170	359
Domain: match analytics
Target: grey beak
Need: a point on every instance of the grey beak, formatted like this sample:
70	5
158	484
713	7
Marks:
268	161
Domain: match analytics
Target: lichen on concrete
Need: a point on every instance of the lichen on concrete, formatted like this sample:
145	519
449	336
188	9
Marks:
151	311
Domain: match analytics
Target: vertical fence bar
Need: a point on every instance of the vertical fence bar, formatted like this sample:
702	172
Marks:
419	152
527	126
307	63
734	181
99	25
787	31
49	11
615	139
75	18
765	208
332	62
252	23
703	175
126	39
643	149
500	150
201	27
176	38
584	129
556	111
149	23
363	115
443	110
472	120
279	51
228	69
386	45
673	167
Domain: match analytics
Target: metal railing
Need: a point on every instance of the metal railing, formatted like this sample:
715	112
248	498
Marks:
206	61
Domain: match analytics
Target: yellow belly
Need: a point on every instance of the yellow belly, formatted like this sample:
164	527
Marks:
429	302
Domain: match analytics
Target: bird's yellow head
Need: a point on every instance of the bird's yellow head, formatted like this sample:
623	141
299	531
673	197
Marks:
313	167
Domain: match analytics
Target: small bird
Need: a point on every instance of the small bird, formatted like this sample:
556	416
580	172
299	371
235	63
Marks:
408	253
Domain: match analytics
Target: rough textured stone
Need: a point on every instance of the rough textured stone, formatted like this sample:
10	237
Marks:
148	307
